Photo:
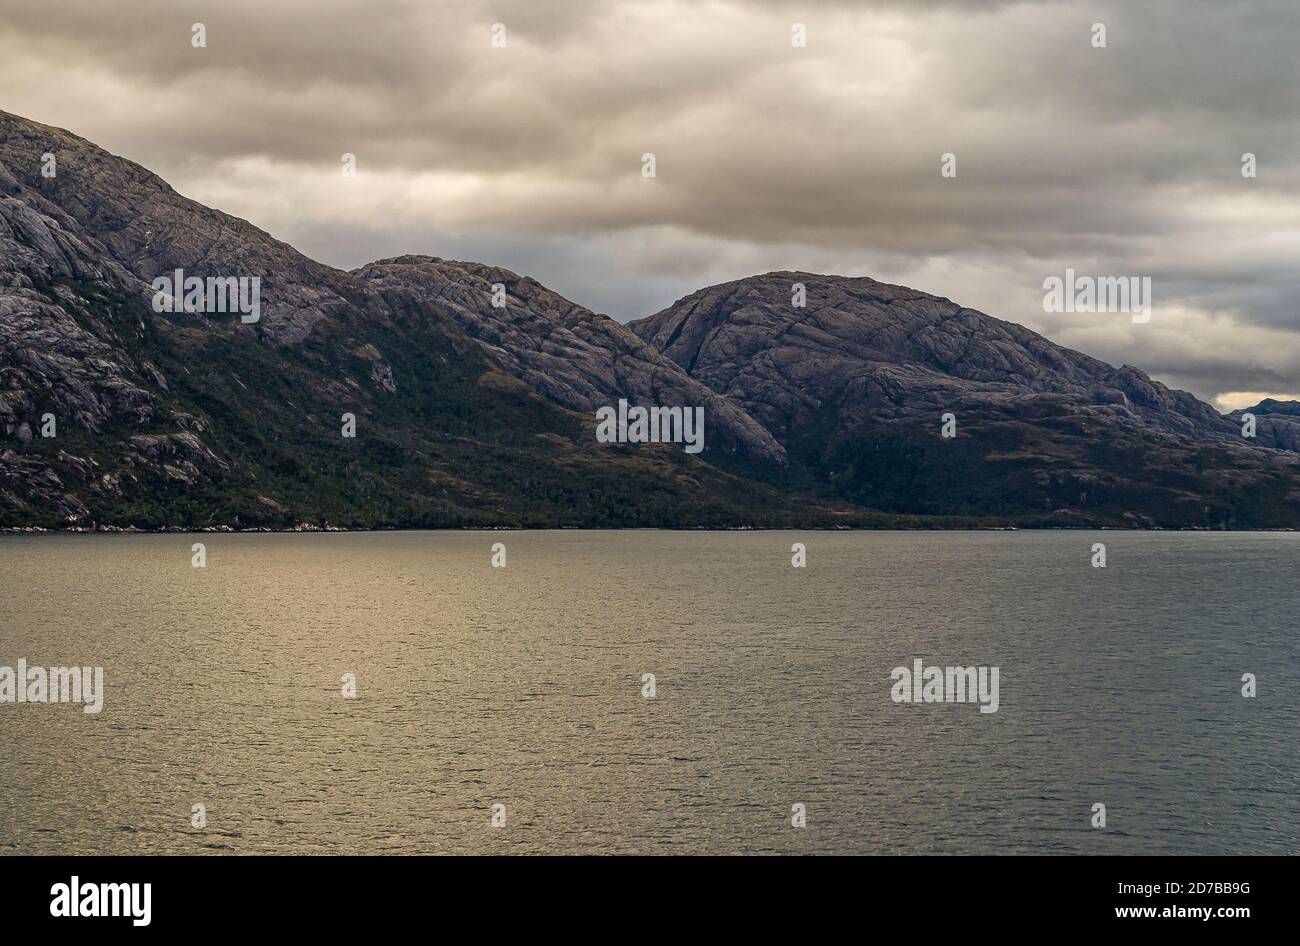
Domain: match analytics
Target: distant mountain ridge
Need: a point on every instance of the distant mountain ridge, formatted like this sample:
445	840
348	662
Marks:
473	413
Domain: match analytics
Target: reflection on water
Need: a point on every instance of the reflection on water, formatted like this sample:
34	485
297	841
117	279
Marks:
523	686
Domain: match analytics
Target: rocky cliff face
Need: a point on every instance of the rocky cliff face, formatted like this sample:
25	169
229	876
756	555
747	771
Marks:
855	383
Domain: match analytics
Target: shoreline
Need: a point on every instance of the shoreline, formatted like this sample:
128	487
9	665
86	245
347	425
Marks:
301	530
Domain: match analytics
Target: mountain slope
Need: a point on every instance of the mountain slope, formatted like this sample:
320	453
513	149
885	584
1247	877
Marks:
565	352
855	383
189	419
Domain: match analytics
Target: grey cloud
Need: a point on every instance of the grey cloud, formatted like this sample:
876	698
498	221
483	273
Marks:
1122	160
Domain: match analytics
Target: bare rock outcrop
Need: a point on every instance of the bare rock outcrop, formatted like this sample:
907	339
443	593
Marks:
567	353
855	383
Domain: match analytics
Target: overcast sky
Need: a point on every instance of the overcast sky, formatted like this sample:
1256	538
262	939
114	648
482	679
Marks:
1123	160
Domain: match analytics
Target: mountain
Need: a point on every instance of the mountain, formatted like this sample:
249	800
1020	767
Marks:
202	420
1277	423
854	384
566	353
470	412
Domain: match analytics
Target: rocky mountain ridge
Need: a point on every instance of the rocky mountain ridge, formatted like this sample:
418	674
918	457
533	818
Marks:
855	384
472	409
201	420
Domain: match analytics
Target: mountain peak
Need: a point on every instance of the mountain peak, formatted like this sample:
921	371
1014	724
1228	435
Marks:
563	350
853	377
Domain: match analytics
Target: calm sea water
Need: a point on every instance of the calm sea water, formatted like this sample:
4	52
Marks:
523	686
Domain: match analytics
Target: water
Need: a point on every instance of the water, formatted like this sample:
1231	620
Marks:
522	686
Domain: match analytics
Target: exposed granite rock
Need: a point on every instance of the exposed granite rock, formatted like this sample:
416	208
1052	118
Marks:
133	221
56	361
882	352
1277	423
567	353
855	383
